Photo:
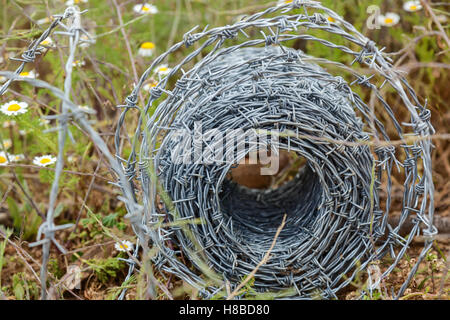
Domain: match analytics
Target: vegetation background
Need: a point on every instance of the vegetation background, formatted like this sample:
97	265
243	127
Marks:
103	79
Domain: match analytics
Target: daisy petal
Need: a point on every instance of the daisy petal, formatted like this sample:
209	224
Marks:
124	246
412	6
145	8
14	108
44	161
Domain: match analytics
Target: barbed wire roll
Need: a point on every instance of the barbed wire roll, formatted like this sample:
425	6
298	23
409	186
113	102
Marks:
286	95
336	222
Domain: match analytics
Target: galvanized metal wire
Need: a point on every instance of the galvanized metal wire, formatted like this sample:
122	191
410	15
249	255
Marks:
337	224
69	112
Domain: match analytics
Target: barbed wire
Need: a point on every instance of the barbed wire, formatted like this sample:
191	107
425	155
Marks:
336	225
335	222
69	112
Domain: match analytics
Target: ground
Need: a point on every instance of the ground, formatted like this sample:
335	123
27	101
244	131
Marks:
105	77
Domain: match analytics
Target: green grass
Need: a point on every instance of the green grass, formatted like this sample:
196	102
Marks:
104	82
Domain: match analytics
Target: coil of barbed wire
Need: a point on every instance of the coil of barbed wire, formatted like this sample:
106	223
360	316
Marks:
336	219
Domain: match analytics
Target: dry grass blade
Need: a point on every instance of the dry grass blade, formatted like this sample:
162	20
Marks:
262	262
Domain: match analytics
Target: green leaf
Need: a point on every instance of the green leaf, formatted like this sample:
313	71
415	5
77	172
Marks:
59	208
14	212
19	291
110	220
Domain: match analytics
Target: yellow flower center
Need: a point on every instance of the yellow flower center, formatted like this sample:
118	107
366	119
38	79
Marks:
3	159
45	160
413	7
388	20
148	45
163	69
331	19
145	8
14	107
123	246
288	1
24	74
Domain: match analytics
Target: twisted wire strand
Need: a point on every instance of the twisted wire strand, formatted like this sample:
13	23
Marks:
48	228
69	112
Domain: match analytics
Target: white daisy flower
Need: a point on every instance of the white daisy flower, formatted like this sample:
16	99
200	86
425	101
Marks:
150	85
78	63
14	107
44	161
163	70
330	19
43	21
73	2
7	123
28	74
124	246
22	132
16	157
86	41
412	6
48	42
144	8
7	143
389	19
283	2
146	49
3	159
